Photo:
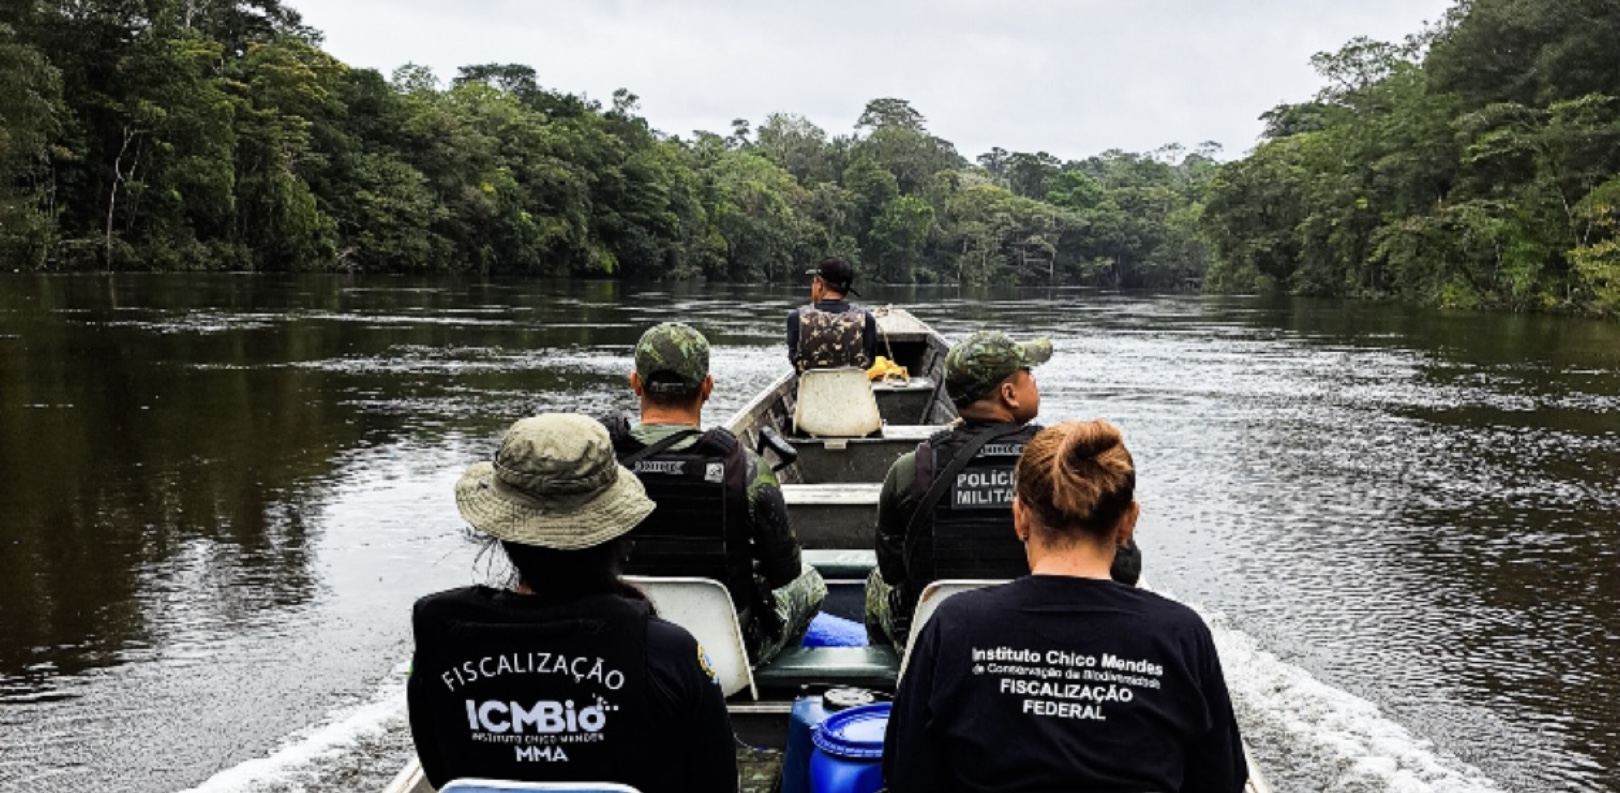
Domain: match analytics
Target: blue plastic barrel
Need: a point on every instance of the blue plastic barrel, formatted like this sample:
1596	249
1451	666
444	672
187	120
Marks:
849	751
808	713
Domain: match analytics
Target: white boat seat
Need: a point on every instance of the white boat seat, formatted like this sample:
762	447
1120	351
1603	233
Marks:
703	607
503	786
836	403
933	595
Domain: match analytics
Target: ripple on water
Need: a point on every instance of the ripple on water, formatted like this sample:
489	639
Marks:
1406	538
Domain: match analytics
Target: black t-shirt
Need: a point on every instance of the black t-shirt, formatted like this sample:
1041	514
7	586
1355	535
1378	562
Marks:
510	686
1053	683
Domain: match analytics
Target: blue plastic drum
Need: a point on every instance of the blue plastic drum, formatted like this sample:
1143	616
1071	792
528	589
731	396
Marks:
849	751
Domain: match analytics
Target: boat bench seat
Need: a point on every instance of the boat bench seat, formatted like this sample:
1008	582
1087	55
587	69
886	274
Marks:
889	433
845	565
922	384
870	667
833	516
848	494
910	433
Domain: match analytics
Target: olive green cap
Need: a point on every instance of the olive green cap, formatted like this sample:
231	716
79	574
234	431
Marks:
672	358
554	483
978	363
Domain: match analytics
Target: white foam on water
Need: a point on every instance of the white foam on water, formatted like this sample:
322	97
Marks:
1344	740
298	764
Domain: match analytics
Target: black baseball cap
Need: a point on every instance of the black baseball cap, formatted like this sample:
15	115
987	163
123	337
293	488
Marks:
837	273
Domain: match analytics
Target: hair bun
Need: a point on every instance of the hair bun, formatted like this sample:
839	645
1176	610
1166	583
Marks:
1077	475
1086	441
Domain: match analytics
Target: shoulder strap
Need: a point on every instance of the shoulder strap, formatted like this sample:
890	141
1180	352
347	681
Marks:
943	478
630	460
720	438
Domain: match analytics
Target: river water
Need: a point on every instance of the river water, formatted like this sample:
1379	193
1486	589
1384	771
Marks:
220	494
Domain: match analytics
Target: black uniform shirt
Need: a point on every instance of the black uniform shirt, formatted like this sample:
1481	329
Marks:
687	745
1053	683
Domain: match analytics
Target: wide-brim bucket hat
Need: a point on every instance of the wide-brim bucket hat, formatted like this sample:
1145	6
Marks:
554	483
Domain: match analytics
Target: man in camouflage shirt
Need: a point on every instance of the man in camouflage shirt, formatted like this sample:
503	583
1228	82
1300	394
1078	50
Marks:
945	510
709	486
831	332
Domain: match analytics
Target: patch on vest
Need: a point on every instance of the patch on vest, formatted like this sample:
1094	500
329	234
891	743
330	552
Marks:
708	667
714	472
984	489
668	467
1001	450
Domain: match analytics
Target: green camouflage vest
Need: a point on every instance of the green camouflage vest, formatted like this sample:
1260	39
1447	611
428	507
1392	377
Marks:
829	341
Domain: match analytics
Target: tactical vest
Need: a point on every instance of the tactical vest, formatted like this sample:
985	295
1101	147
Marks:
559	694
966	529
700	525
828	340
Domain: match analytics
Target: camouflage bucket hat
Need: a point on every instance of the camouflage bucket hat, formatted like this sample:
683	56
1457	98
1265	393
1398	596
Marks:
672	358
976	364
554	483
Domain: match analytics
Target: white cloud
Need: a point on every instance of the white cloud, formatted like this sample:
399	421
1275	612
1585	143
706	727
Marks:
1073	78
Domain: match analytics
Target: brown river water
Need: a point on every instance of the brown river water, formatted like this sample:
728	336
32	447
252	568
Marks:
220	494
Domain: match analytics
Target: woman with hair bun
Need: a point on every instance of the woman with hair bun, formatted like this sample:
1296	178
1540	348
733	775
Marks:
1065	680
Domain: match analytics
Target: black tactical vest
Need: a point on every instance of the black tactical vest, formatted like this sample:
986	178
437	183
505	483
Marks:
968	531
559	693
700	526
829	341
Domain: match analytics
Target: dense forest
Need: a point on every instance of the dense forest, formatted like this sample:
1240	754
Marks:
216	134
1473	164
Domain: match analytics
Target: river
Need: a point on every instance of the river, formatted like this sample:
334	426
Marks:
220	494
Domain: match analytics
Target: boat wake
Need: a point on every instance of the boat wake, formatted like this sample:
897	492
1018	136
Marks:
1332	740
357	747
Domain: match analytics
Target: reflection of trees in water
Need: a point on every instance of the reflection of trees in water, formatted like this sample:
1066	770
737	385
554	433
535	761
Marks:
166	442
151	494
163	453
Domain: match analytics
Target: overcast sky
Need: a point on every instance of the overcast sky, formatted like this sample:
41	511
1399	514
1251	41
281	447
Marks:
1073	78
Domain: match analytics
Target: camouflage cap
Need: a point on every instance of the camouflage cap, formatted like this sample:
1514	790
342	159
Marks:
672	358
976	364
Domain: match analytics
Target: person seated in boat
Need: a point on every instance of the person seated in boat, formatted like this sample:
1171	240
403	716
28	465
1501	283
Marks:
567	675
1064	679
945	509
831	332
709	486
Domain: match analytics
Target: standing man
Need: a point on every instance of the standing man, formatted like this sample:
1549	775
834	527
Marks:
720	511
831	332
945	510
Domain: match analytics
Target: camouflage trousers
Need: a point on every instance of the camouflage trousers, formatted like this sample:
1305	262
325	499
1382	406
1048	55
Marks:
883	626
796	604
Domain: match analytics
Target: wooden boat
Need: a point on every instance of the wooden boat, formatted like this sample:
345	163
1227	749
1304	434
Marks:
831	489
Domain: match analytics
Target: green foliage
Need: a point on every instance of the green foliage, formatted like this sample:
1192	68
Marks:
149	134
1465	167
30	112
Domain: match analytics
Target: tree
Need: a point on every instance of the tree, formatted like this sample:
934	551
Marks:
30	121
897	238
891	112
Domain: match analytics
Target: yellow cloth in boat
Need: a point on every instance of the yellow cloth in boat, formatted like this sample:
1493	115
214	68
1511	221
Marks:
885	369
